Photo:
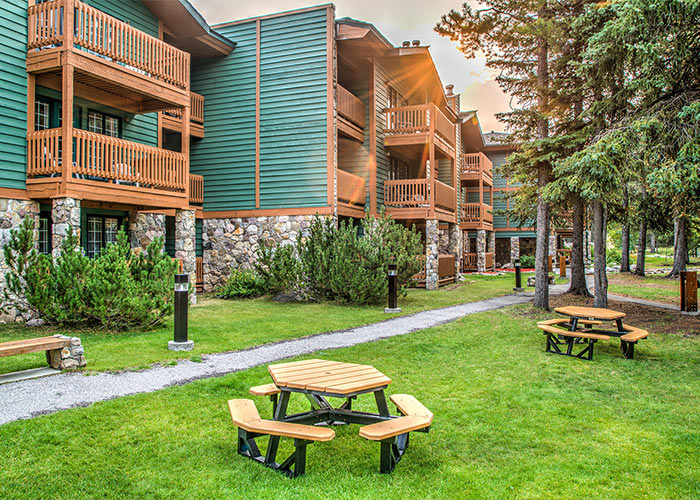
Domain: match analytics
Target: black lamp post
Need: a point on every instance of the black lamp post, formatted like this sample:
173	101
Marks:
518	277
182	292
392	275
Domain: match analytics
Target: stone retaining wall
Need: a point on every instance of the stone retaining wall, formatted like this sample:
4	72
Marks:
68	358
233	243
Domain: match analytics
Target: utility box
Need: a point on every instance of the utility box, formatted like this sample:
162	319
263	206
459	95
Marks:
689	291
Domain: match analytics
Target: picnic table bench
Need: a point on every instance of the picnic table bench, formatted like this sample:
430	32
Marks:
318	380
591	318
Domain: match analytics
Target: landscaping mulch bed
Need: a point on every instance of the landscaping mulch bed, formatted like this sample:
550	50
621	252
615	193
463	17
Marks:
650	318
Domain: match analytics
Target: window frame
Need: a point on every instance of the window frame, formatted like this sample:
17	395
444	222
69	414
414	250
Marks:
121	224
103	119
45	215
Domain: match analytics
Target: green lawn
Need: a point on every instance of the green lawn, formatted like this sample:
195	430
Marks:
657	287
219	325
510	422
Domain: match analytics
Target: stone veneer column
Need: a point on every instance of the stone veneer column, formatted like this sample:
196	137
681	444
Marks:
481	250
145	227
65	215
492	243
455	247
552	245
514	249
431	255
185	245
466	241
12	213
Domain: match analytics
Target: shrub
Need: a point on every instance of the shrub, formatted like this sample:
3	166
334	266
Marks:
279	269
613	256
116	290
344	262
527	261
241	283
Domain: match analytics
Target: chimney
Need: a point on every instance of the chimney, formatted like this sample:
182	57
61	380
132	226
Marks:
416	43
406	43
449	89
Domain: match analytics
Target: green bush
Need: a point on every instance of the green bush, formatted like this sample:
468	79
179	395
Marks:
117	290
613	257
241	283
343	263
527	261
279	269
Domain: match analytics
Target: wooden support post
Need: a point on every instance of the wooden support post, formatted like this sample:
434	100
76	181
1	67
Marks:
67	126
372	140
562	266
185	148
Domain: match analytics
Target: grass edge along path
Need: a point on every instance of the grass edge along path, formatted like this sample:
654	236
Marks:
528	425
226	325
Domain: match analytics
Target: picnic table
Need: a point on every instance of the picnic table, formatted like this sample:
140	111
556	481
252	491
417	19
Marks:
578	313
317	380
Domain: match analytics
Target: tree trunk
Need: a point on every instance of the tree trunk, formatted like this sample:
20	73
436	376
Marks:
542	249
642	250
652	242
625	251
680	248
578	269
600	276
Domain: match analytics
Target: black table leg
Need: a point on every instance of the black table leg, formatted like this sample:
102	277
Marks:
620	327
280	413
381	403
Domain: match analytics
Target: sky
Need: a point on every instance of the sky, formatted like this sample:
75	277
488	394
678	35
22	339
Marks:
398	20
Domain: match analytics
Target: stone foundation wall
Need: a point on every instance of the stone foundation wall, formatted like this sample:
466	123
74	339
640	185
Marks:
431	254
503	247
528	246
145	227
444	240
65	214
233	243
12	213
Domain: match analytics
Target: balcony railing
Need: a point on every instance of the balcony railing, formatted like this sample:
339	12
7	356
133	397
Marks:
416	119
409	193
446	270
471	261
100	157
475	163
477	212
196	189
351	188
196	109
350	107
106	36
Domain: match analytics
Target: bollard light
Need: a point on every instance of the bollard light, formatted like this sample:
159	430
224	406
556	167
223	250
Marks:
182	291
393	275
518	277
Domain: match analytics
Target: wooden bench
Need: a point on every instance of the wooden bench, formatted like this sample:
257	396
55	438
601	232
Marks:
52	346
250	426
554	340
393	434
270	390
629	339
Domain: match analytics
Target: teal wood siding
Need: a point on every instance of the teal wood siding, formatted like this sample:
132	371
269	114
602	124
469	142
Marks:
129	11
498	159
293	116
226	155
499	203
13	105
198	248
293	110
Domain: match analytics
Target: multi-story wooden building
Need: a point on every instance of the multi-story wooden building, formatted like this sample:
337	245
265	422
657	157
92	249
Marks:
224	138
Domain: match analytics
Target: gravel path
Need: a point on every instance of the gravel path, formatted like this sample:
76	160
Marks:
30	398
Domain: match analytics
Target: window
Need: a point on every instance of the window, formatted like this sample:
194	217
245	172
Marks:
394	98
42	116
398	169
101	231
45	233
101	123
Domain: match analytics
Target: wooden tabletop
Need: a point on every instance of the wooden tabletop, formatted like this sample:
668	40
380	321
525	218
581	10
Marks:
590	313
332	377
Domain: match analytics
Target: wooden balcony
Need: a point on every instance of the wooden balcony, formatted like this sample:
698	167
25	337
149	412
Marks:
114	63
447	270
476	167
351	115
351	194
477	216
105	169
172	118
415	125
470	262
196	189
420	199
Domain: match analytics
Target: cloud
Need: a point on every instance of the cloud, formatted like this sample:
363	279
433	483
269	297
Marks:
398	21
